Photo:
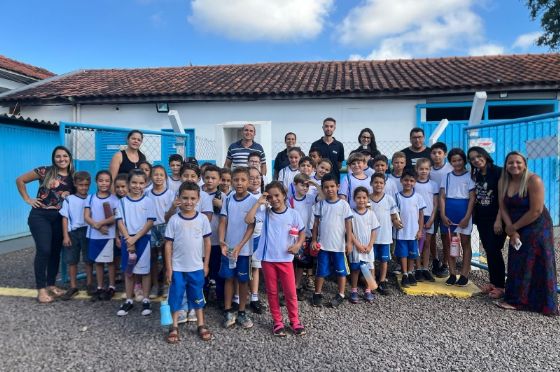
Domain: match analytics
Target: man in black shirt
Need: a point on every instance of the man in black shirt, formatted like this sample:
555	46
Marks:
417	148
329	147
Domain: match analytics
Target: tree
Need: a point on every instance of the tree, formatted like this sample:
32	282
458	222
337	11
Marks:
549	10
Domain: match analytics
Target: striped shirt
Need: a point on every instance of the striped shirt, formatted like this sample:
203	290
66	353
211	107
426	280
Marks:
239	154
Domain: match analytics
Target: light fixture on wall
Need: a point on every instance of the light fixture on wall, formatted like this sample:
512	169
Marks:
162	107
503	94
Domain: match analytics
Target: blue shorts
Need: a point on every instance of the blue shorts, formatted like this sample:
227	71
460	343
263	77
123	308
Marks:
382	252
142	246
190	282
241	271
327	261
117	250
101	250
431	229
356	266
455	210
406	248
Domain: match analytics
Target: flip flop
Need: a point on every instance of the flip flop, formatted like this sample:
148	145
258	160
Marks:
504	305
487	288
204	333
496	293
173	335
44	298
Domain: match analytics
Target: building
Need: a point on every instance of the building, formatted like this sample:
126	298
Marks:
15	74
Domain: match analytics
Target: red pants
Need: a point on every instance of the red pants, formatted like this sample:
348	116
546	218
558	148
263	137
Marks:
283	272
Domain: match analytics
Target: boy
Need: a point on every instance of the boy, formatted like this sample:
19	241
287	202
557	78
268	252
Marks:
307	167
386	211
212	190
410	228
393	184
440	168
333	230
315	155
254	161
303	202
74	230
187	256
234	235
353	180
174	179
429	191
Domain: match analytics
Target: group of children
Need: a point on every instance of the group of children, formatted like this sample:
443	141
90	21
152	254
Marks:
220	227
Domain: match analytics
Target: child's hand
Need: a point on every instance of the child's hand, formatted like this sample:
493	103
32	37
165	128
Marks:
118	242
446	221
104	230
130	241
293	249
314	245
398	224
168	276
464	223
67	242
429	224
263	198
177	203
419	234
236	251
223	246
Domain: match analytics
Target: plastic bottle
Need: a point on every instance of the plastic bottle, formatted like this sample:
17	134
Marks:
232	261
314	252
455	248
364	268
217	196
131	263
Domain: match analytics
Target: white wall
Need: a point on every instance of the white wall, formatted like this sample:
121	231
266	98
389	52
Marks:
391	120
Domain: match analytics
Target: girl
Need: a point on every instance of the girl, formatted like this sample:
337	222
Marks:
99	215
225	181
256	188
456	205
146	167
287	174
135	218
163	197
531	280
324	166
45	223
276	249
364	233
487	218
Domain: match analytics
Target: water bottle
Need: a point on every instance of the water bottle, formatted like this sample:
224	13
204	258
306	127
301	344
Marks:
130	263
366	272
217	196
293	236
232	261
165	314
455	249
314	252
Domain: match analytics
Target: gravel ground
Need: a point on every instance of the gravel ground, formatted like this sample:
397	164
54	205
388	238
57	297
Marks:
397	332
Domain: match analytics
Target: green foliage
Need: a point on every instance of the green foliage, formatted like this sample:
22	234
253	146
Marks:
549	12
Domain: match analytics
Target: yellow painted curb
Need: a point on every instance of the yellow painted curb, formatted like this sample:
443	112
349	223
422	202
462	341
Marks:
439	288
32	293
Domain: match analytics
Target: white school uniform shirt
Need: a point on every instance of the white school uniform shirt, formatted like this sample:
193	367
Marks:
383	209
438	174
187	235
409	207
235	211
173	184
95	205
258	221
457	186
304	207
148	188
215	223
332	224
135	213
205	205
275	237
286	176
396	181
369	172
73	209
351	183
162	203
362	226
427	190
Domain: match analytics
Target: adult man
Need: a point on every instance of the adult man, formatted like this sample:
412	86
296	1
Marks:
281	160
238	152
417	148
329	147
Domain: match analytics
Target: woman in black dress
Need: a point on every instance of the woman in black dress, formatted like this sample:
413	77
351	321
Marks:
126	160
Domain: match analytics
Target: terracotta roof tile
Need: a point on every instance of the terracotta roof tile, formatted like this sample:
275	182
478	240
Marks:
304	79
24	69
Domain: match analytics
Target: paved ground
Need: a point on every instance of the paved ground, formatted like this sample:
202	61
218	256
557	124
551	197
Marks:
398	332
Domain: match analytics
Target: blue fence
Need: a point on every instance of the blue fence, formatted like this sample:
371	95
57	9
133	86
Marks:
24	146
93	146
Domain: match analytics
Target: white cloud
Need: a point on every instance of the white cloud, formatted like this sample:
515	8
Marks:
525	41
273	20
156	19
486	50
410	28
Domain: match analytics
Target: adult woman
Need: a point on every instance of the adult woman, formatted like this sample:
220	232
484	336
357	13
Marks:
281	161
531	280
487	218
126	160
45	223
366	138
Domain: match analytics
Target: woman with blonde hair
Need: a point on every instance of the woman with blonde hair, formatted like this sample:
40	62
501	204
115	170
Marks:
531	279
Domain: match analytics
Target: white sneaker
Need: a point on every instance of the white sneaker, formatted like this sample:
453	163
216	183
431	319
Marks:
182	317
191	317
146	308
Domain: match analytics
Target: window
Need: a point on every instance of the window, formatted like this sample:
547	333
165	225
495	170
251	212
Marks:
517	111
449	113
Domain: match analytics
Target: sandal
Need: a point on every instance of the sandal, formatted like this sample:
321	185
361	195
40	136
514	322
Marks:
43	297
487	288
496	293
55	292
504	305
173	335
279	330
204	333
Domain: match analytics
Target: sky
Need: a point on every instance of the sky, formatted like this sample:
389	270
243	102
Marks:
66	35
